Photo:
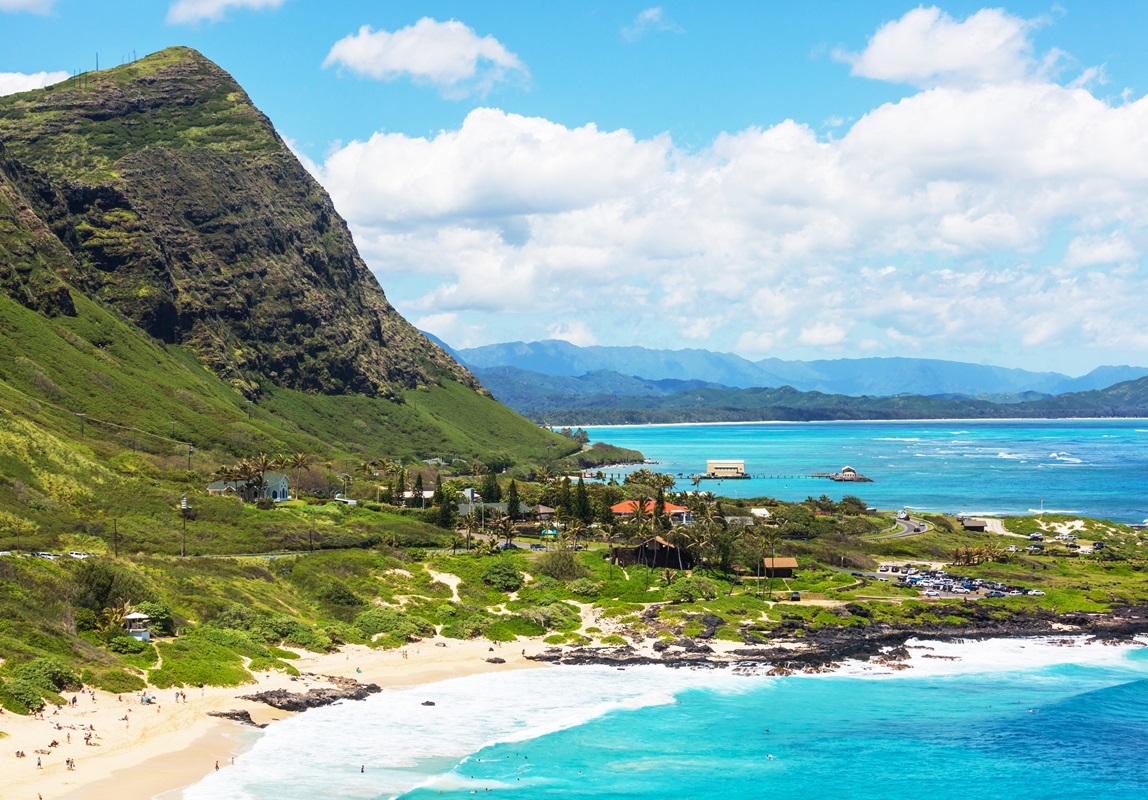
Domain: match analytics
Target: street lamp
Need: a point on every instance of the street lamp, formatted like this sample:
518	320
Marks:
184	510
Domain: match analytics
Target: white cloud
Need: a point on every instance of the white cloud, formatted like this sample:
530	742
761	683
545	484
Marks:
448	54
927	47
575	331
12	82
34	6
182	12
648	20
934	223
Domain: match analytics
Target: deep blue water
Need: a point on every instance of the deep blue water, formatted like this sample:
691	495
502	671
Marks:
1095	468
1008	720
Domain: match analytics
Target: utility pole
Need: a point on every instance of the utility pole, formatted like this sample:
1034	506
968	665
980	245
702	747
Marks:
183	509
311	533
81	416
190	450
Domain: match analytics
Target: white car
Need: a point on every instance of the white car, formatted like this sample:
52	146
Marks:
1036	593
5	553
931	593
960	590
78	555
49	556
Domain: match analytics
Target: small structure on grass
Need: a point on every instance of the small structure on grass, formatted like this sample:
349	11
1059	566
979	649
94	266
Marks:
782	567
138	626
654	552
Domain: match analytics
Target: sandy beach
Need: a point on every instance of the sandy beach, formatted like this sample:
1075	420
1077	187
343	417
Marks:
166	746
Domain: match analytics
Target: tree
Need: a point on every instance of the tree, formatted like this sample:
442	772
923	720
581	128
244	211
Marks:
469	524
490	490
418	490
582	509
436	498
513	506
299	462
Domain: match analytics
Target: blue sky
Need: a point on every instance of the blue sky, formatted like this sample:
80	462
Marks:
809	180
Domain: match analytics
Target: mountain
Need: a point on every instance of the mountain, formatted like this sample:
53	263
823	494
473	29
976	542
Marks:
170	273
533	393
555	357
184	211
848	376
1128	399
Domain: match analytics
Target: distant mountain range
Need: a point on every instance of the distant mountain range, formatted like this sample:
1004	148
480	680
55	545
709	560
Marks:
563	384
847	376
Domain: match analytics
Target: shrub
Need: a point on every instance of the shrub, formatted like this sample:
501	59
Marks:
586	587
100	584
562	565
691	589
126	645
506	629
264	504
20	696
503	576
49	674
85	619
613	638
117	681
393	621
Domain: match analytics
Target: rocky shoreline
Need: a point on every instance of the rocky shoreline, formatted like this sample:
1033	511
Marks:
341	689
803	649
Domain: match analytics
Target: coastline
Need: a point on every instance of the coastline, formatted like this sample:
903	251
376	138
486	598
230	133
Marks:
168	747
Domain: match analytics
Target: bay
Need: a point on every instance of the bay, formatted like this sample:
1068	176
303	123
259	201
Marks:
1096	468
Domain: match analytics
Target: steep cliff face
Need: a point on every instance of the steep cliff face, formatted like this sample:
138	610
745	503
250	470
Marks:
182	209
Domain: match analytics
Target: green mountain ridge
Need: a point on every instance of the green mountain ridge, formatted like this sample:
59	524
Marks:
177	292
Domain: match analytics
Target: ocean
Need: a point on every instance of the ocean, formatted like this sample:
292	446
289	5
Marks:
1095	468
1000	719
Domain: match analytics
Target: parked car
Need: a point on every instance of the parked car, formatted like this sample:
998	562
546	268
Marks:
78	555
996	593
509	546
856	574
883	568
1036	592
795	596
537	546
960	590
5	553
49	556
1098	545
931	593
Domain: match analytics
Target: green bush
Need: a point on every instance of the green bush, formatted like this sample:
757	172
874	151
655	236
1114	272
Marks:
562	565
586	587
49	674
506	629
393	621
503	576
613	638
20	696
85	619
690	590
126	645
117	681
190	661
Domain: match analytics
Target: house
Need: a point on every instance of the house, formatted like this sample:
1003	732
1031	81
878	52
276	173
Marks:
137	626
275	487
971	524
654	552
543	513
725	468
779	567
679	515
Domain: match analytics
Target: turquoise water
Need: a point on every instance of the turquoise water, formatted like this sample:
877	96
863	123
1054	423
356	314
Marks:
988	720
1091	467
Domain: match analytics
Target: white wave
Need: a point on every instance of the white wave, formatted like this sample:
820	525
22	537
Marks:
897	439
1064	511
1010	456
404	744
1065	457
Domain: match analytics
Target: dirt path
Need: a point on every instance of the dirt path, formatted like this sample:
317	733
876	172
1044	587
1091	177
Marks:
450	580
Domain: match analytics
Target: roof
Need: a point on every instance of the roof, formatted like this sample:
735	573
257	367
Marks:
785	562
629	506
657	540
137	615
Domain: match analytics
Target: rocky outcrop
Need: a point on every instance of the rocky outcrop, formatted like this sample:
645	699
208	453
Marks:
313	698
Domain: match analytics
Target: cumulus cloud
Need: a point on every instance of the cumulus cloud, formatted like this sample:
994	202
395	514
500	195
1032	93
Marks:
449	55
935	224
12	82
183	12
647	21
927	47
33	6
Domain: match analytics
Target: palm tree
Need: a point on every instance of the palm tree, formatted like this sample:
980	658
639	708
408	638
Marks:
298	462
770	538
470	524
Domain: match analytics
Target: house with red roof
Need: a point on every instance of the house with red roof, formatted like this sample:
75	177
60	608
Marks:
679	515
